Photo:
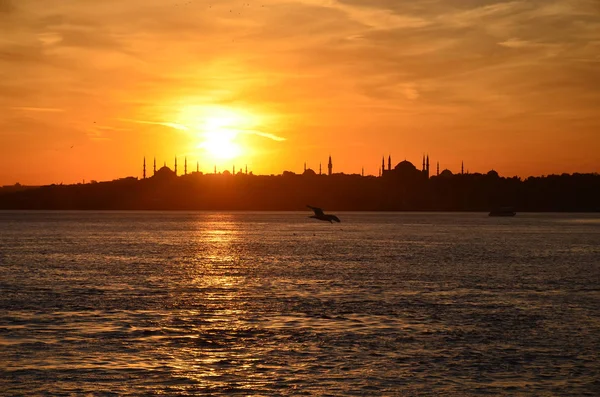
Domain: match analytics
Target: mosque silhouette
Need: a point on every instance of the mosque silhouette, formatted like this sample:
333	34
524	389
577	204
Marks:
403	187
403	170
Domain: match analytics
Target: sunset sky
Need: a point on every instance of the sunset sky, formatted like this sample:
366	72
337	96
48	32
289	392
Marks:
88	88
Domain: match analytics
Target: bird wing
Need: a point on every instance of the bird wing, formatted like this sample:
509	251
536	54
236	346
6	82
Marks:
317	211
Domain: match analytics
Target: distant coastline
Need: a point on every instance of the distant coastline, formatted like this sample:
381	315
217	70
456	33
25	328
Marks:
401	191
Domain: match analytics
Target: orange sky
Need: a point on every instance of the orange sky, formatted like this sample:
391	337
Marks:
88	88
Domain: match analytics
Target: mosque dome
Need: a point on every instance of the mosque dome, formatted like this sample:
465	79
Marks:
446	173
164	172
405	166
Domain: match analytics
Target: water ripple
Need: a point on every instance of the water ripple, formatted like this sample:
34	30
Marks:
270	304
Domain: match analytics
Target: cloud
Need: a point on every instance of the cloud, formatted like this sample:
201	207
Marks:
517	43
36	109
376	18
176	126
316	62
476	15
262	134
6	7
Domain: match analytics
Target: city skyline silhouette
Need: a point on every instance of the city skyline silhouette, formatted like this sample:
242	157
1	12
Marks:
401	188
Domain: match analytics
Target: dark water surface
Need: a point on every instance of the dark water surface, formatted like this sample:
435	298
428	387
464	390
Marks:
174	303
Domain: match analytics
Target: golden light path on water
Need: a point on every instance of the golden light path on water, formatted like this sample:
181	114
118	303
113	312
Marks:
216	254
269	303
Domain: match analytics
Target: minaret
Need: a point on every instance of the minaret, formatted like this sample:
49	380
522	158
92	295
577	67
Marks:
330	166
462	167
185	166
389	162
382	166
197	166
175	165
423	169
319	168
215	170
427	169
144	167
362	173
438	168
154	166
305	166
246	169
233	170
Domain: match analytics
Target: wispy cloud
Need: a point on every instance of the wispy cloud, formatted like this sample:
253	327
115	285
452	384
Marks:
36	109
110	128
372	17
97	135
324	68
262	134
475	16
176	126
517	43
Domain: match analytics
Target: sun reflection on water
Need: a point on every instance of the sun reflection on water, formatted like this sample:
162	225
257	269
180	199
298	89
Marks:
210	304
217	325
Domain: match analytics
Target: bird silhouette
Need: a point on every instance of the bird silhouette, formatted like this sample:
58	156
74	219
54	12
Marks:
320	215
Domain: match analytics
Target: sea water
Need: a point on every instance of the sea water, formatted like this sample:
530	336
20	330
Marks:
265	303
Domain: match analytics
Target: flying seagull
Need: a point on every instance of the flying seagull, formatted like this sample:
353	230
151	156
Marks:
321	216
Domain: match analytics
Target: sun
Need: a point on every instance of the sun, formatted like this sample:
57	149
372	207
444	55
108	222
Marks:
220	144
218	129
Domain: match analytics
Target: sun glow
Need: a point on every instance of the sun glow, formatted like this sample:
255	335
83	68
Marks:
220	144
219	129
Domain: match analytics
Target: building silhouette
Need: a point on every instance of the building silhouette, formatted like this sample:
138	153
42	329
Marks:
403	187
405	169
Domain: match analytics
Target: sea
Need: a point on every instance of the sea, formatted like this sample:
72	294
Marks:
278	304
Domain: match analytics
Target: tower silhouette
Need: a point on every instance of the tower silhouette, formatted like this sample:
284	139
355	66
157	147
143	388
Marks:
382	165
175	165
330	166
427	169
462	167
305	166
438	168
197	166
390	162
319	168
144	167
185	166
154	166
